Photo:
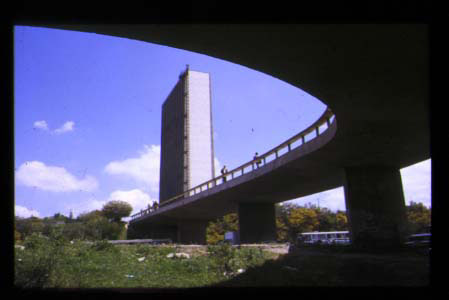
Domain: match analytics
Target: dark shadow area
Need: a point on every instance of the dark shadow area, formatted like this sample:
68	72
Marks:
339	266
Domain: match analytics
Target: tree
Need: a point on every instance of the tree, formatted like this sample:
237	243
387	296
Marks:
214	233
87	216
341	223
230	222
74	231
326	219
281	230
302	219
96	226
115	210
291	219
418	218
215	230
27	226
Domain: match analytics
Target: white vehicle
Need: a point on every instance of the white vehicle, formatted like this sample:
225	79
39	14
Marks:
329	237
418	240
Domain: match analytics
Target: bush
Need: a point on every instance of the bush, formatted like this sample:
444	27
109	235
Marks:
74	231
28	226
102	245
17	236
35	241
143	250
39	260
229	259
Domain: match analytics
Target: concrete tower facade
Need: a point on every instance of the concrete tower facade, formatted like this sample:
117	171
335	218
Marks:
187	150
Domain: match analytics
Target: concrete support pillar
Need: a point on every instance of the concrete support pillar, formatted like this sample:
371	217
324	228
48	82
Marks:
192	232
375	205
257	222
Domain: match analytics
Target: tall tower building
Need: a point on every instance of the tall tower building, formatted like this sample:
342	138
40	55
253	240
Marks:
187	149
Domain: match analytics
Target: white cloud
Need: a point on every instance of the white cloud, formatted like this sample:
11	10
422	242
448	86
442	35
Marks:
22	211
41	125
416	184
85	207
51	178
138	199
332	199
144	168
68	126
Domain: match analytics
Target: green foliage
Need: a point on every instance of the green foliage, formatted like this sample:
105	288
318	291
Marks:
216	230
74	231
35	241
17	236
102	245
152	252
28	226
36	264
96	226
92	225
418	218
214	233
58	263
90	216
116	210
291	219
228	259
54	262
302	219
282	230
341	221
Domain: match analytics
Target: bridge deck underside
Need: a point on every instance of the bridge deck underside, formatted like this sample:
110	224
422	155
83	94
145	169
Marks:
375	78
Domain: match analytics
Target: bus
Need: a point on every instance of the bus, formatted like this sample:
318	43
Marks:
328	237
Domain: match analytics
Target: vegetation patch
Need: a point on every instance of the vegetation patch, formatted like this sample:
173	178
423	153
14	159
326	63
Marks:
55	262
63	252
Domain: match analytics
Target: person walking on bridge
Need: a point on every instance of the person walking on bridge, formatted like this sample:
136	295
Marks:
256	158
224	170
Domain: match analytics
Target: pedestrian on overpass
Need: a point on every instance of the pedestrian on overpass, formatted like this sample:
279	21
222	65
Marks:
256	158
224	170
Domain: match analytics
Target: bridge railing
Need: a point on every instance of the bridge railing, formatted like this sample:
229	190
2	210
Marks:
323	123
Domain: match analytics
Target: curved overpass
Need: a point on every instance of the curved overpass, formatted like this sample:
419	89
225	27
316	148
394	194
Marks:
275	180
373	77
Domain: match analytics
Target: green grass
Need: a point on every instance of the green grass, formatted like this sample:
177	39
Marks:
55	263
61	264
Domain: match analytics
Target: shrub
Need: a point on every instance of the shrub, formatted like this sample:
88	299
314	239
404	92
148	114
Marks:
39	260
17	236
226	258
74	231
102	245
35	241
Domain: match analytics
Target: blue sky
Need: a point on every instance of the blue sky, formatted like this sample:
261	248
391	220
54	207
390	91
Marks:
88	120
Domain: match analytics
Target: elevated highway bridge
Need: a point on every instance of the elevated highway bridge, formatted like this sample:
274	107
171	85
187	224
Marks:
374	80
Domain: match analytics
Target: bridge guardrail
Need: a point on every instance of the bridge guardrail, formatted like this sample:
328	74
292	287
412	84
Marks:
326	118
